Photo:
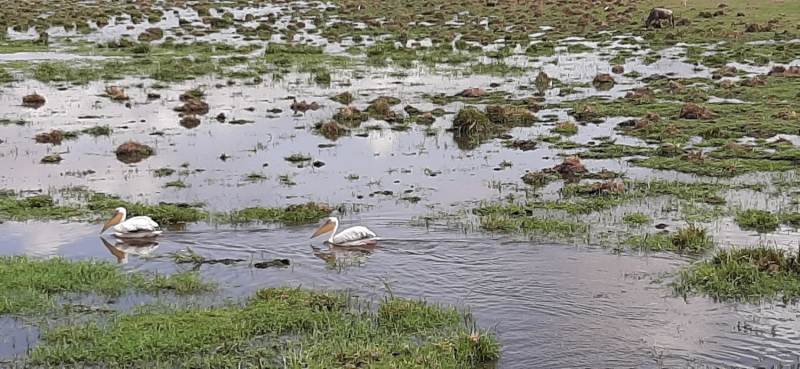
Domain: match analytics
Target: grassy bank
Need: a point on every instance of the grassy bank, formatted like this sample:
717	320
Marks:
30	286
749	274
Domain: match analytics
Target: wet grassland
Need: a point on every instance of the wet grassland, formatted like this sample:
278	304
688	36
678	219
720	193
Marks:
657	141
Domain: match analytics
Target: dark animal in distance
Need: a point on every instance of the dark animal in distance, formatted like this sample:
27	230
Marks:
657	14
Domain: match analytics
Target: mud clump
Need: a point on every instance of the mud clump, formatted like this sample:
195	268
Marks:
412	111
53	137
153	96
132	152
196	107
607	188
781	71
381	109
542	81
694	111
525	145
331	130
756	82
570	166
426	118
733	146
472	92
344	98
753	28
303	106
221	117
34	100
705	15
470	119
52	159
641	95
509	115
617	69
117	94
350	117
726	71
695	156
603	79
587	113
727	84
151	34
190	121
683	22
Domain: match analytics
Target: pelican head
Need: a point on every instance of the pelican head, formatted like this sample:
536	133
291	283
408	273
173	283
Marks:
119	216
329	225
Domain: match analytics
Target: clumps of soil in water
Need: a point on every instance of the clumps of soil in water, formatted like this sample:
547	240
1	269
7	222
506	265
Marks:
350	117
675	86
151	34
471	120
754	28
587	113
53	137
542	82
781	71
472	92
133	152
153	96
603	81
756	82
505	115
221	117
733	146
694	111
192	103
695	156
617	69
524	145
52	159
116	94
726	83
566	128
344	98
570	166
272	263
381	109
607	188
641	95
331	130
190	121
726	71
303	106
34	100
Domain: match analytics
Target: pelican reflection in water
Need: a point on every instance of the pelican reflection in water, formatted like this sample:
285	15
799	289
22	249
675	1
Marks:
130	246
344	256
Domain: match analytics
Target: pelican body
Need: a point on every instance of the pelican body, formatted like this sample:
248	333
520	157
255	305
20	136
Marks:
353	236
136	227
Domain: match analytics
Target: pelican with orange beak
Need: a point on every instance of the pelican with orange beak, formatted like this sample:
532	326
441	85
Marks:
136	227
353	236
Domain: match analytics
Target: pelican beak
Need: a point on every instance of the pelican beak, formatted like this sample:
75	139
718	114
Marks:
113	221
327	227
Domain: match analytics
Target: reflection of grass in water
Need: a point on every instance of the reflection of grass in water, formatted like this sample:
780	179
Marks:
326	331
743	274
31	285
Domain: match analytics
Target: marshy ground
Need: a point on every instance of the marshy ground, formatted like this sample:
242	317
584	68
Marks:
552	165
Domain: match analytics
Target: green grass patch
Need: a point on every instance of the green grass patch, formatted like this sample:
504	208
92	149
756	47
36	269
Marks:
760	221
636	219
278	327
689	238
749	274
32	285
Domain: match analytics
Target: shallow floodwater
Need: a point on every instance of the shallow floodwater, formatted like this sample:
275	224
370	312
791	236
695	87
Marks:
552	305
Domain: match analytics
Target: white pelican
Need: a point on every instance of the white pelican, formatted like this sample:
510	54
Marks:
132	246
131	228
353	236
